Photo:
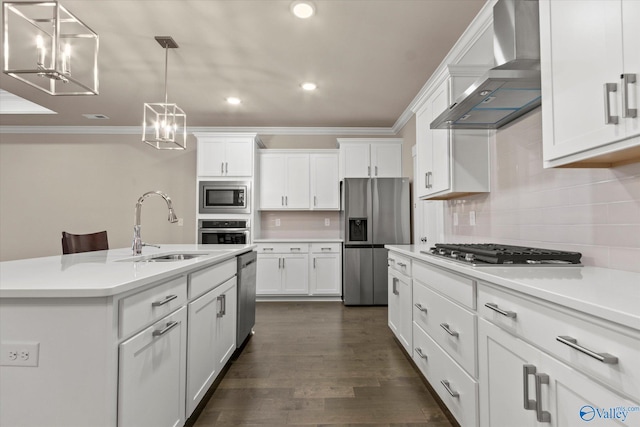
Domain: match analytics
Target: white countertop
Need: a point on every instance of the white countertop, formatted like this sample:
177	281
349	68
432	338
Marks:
613	295
103	273
299	240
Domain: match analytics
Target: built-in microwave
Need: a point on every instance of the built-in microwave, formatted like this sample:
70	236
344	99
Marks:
225	197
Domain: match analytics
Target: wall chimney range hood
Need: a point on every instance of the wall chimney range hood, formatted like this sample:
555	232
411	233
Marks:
510	89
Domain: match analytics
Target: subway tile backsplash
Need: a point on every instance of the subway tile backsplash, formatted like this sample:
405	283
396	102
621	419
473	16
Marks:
592	211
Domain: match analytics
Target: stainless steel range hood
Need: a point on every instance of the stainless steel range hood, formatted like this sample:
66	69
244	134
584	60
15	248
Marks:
512	88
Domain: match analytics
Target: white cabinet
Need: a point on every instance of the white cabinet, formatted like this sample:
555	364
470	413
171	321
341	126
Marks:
325	269
325	184
283	269
284	180
225	155
556	394
212	325
151	387
299	179
450	163
370	158
587	48
400	299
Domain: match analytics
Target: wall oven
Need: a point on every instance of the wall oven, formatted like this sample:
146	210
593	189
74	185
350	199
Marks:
224	197
224	231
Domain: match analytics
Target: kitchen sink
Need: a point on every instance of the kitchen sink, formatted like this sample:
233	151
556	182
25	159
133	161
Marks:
172	257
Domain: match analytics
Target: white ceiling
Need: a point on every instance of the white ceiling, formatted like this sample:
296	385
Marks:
369	58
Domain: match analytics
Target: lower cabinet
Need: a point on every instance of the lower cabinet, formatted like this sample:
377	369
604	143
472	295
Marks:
211	339
151	387
399	307
524	386
299	269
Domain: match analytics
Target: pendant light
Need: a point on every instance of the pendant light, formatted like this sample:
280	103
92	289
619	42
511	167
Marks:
48	48
165	125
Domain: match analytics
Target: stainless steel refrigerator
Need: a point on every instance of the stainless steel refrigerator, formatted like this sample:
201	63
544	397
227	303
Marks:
375	213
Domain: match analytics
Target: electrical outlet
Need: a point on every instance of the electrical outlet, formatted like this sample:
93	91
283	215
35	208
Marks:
455	218
19	353
180	222
277	222
472	218
327	222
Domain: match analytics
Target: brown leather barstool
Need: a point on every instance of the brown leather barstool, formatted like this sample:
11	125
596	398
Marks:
76	243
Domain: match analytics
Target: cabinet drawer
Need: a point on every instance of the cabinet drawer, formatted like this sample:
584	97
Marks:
203	280
459	288
326	247
283	248
450	325
399	263
145	307
542	323
441	371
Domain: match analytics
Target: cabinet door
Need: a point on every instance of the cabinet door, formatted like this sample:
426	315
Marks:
631	37
393	302
325	274
581	50
386	160
297	181
424	155
211	158
356	160
502	358
325	182
151	378
239	156
295	274
272	181
438	140
202	366
405	327
268	275
226	324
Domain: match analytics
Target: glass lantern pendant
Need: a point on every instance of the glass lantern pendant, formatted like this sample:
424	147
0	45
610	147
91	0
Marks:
47	47
165	125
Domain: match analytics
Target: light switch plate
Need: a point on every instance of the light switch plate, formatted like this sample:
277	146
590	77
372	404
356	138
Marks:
472	218
455	218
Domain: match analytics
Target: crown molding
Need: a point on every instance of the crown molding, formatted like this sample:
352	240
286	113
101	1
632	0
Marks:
135	130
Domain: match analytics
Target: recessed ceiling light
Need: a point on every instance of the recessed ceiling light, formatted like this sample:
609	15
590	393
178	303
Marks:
233	100
309	86
303	9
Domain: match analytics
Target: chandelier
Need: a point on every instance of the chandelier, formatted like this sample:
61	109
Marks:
49	48
164	126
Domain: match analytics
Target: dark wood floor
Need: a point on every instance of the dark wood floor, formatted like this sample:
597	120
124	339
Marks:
321	364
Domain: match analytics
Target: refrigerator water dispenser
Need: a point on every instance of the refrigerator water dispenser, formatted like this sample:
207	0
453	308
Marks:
357	229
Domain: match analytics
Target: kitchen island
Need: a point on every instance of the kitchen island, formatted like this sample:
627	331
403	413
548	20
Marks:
102	338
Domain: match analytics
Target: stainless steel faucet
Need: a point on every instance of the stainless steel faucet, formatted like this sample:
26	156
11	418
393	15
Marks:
137	240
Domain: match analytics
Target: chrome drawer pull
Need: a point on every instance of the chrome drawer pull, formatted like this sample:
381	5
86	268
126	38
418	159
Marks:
542	416
447	387
601	357
267	249
402	264
608	118
164	301
325	249
420	307
395	286
167	328
526	371
627	79
494	307
294	249
420	353
445	326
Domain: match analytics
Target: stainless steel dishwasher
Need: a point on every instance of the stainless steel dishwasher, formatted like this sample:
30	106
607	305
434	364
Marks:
246	296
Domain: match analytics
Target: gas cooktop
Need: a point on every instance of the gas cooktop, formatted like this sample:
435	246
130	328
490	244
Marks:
492	254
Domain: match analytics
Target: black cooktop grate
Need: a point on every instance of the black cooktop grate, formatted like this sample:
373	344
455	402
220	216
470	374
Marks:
493	253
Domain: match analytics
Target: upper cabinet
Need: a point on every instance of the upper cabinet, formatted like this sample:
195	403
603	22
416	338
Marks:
370	158
450	163
299	180
226	155
590	63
